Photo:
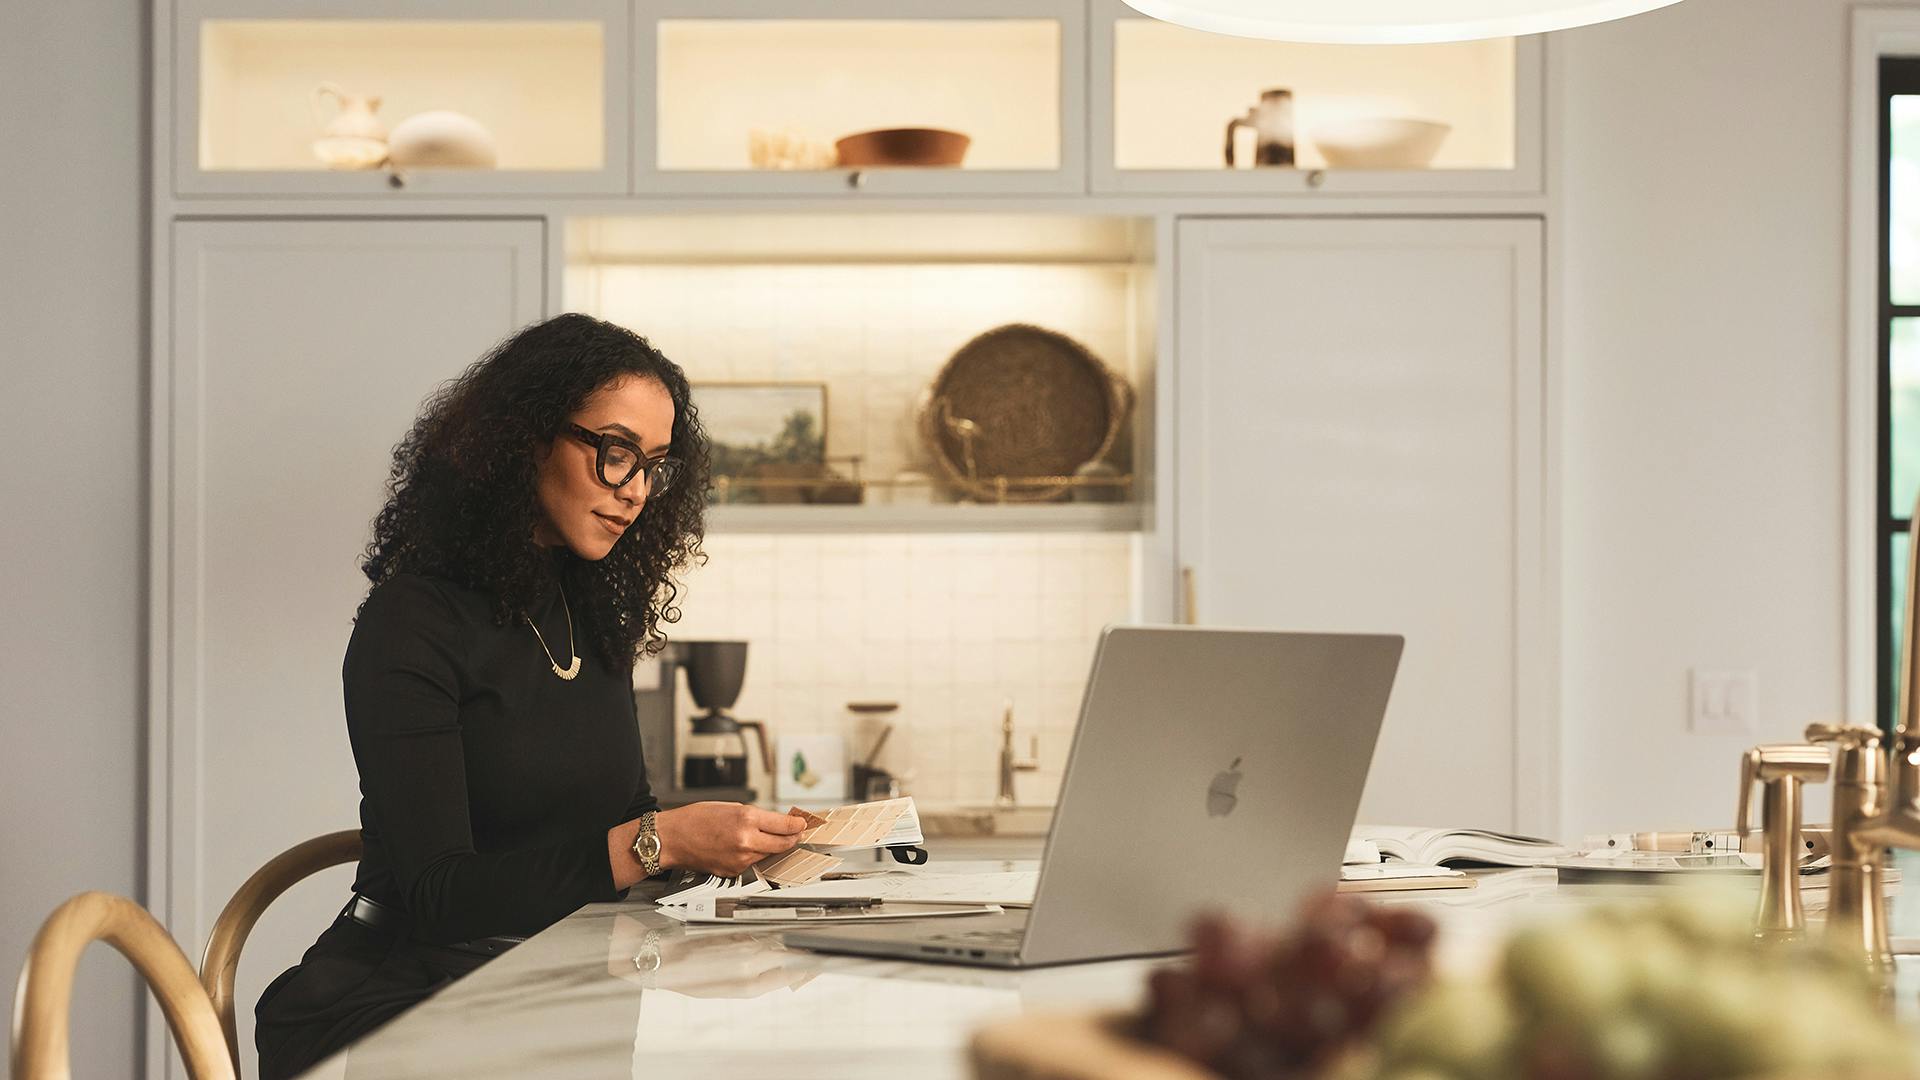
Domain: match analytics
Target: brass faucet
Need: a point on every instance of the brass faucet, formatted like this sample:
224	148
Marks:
1856	904
1876	803
1781	769
1008	763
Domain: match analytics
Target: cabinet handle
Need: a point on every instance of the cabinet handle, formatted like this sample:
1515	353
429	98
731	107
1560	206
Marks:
1189	606
856	179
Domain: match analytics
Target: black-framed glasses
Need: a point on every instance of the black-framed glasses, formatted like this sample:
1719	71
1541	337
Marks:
618	461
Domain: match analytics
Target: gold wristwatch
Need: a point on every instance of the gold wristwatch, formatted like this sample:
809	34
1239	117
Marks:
646	846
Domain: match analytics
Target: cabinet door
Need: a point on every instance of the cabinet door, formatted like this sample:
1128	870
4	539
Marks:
1448	118
300	352
721	82
547	82
1360	448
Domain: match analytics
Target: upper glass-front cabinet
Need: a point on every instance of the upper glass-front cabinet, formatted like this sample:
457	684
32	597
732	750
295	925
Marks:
961	96
1178	110
411	96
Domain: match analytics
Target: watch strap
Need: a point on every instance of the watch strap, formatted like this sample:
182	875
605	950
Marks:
646	845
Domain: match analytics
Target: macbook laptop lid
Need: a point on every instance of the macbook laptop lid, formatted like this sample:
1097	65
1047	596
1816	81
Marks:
1211	769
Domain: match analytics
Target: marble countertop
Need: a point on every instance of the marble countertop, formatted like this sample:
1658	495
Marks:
619	989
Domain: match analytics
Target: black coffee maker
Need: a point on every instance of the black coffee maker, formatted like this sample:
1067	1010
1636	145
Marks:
710	761
716	750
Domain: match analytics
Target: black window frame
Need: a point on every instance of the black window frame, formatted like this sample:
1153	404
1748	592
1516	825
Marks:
1899	77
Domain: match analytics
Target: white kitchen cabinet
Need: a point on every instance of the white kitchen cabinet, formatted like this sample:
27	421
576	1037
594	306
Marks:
297	354
1361	447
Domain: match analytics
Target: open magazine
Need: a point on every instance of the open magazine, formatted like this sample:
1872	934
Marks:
1448	847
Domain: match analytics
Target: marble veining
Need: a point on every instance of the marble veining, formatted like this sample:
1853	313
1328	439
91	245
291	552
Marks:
619	990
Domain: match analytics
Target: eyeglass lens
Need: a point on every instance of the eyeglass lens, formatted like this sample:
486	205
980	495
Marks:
619	464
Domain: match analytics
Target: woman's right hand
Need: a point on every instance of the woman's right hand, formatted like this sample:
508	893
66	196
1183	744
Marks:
723	838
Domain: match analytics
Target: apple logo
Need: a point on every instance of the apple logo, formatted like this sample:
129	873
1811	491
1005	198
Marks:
1220	794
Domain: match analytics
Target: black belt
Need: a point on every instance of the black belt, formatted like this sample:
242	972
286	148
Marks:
377	916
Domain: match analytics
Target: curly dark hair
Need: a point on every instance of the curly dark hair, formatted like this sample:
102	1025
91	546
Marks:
461	498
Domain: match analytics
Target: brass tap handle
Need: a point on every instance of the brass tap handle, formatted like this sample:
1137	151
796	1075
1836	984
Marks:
1863	826
1782	769
1854	745
1848	736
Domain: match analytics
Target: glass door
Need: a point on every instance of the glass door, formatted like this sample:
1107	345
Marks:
1182	111
398	98
742	96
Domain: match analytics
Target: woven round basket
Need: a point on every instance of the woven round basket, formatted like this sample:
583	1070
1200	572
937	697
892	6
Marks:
1016	410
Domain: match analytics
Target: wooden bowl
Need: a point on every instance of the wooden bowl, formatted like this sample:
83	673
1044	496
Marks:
1073	1046
902	146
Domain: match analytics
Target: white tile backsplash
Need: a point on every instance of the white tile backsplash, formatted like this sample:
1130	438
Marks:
951	627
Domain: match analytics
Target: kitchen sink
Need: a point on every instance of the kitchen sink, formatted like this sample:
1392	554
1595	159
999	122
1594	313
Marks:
957	821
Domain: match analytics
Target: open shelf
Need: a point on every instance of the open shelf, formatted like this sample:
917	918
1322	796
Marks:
848	321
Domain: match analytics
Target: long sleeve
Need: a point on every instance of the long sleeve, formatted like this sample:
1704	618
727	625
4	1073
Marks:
643	797
406	672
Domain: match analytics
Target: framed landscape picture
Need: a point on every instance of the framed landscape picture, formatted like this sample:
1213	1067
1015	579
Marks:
766	437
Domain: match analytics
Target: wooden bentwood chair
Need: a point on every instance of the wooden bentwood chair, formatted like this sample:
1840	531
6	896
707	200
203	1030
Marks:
222	959
44	1000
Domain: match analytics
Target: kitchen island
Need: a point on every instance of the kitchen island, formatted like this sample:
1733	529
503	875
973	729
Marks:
622	990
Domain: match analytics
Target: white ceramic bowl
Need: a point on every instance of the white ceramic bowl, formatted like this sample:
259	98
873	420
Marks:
1379	142
441	139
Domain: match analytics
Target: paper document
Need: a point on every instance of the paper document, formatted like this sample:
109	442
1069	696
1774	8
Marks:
707	910
862	826
713	888
1013	888
1396	869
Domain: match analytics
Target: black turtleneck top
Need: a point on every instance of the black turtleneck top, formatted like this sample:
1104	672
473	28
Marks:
487	782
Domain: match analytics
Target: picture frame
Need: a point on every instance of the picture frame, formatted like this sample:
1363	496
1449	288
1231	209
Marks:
768	438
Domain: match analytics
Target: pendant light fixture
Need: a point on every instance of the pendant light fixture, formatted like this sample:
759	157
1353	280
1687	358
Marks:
1387	22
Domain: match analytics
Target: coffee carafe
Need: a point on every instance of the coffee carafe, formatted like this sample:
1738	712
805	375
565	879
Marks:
1272	124
716	748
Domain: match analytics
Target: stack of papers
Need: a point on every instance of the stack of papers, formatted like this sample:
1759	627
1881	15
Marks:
1449	846
897	894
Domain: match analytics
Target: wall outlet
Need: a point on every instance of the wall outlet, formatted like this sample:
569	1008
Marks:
1724	702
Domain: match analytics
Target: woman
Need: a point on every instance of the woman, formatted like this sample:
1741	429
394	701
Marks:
535	517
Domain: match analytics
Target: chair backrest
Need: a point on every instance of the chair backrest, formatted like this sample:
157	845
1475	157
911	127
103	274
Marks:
221	963
44	1000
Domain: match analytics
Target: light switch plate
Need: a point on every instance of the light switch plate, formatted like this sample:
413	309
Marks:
1724	702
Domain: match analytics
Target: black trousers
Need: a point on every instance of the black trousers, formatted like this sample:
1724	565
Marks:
353	980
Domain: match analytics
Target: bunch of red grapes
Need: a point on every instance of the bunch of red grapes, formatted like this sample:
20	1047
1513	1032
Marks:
1257	1007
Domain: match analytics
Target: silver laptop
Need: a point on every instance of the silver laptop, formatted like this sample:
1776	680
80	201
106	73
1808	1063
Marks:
1211	770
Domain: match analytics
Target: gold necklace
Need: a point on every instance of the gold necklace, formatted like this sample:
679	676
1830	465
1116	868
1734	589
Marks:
572	669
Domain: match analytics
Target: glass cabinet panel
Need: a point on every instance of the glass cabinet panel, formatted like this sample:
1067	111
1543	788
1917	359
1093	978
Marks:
1193	111
984	98
362	105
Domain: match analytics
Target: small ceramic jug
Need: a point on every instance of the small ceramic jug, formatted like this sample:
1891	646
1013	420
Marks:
353	138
